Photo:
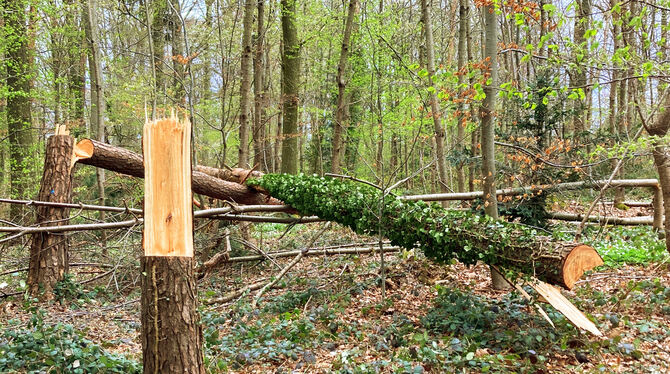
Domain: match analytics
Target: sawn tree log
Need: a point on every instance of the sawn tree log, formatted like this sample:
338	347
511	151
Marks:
442	234
205	180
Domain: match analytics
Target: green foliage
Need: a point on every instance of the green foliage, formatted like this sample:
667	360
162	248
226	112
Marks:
476	322
56	348
620	245
291	300
530	211
442	234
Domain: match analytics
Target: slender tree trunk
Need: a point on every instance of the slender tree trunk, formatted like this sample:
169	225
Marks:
245	85
97	95
488	128
463	14
340	126
290	87
578	76
76	62
434	105
49	252
260	101
19	65
179	61
159	21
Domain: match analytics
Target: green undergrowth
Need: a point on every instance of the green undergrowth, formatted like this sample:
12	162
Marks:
621	245
41	347
443	235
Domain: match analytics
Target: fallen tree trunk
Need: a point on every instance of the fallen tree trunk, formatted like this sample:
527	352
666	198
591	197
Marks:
604	220
443	235
120	160
548	188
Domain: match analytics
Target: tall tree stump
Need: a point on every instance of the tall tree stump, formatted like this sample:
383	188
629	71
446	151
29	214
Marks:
171	332
49	251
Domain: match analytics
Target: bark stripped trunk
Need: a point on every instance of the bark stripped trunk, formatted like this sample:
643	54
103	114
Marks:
49	251
171	332
434	105
340	125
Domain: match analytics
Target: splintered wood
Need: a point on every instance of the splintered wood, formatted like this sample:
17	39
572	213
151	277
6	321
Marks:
168	215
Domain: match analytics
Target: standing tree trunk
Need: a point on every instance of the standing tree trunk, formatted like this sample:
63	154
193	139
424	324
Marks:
260	101
340	126
290	87
19	66
662	162
434	105
245	85
488	127
578	76
179	61
49	252
463	14
159	21
171	331
97	96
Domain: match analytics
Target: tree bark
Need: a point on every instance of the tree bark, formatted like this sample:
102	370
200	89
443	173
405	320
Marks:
49	251
488	129
97	96
463	14
19	65
260	100
94	153
662	162
434	104
245	85
340	126
291	86
171	333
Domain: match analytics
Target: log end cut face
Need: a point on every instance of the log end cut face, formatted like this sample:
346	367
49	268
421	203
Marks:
581	259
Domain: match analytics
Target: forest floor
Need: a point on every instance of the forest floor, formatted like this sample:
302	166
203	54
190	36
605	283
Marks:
328	315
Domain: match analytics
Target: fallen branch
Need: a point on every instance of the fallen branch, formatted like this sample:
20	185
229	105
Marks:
235	294
603	220
289	266
549	188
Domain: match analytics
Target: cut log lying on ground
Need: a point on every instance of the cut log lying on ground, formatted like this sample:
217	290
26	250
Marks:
603	220
549	188
443	235
109	157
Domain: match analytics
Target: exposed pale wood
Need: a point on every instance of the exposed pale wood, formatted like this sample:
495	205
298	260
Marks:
580	259
168	217
554	297
120	160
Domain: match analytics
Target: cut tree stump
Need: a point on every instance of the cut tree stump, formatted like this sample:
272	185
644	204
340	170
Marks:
120	160
49	251
171	333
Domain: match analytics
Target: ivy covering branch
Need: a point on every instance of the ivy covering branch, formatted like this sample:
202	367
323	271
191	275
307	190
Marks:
443	235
